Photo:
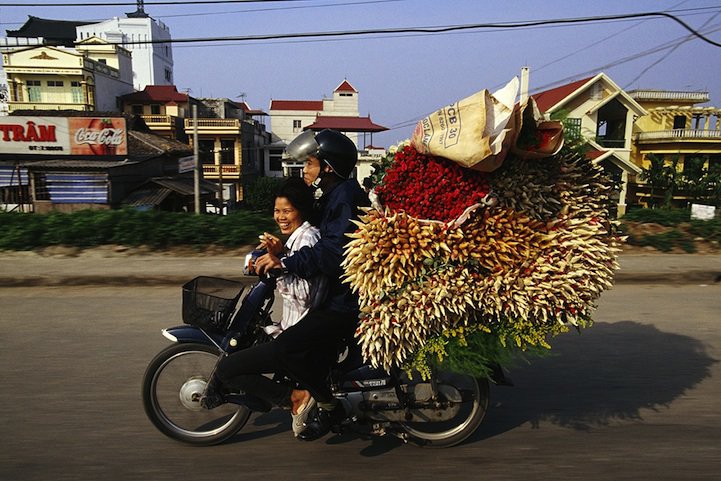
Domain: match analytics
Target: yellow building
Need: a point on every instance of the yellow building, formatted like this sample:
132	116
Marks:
162	108
675	127
89	77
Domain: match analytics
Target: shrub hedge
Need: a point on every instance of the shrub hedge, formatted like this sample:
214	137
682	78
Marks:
88	228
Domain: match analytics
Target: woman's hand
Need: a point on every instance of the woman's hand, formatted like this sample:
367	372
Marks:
271	243
266	263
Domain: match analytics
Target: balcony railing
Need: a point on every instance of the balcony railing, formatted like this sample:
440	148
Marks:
214	124
157	120
669	95
230	171
678	134
48	106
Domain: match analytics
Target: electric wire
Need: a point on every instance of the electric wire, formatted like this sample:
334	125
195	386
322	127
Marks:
427	30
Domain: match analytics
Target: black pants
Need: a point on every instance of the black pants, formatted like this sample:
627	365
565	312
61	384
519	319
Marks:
305	352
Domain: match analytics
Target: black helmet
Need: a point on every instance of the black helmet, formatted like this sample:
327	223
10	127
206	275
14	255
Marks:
330	146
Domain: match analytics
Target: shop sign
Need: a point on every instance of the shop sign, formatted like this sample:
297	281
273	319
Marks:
88	136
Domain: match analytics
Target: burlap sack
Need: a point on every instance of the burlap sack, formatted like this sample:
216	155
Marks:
476	132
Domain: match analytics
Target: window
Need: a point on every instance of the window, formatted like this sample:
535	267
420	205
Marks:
346	95
296	126
205	151
55	83
103	61
679	122
168	75
276	160
573	125
76	91
33	87
155	109
227	151
137	109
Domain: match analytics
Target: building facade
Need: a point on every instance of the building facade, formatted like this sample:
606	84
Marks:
152	63
676	129
162	108
232	139
91	76
288	118
603	115
68	161
340	112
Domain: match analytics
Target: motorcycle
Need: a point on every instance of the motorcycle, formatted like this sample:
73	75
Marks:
222	316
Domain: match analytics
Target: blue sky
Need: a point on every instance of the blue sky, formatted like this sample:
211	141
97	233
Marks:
402	78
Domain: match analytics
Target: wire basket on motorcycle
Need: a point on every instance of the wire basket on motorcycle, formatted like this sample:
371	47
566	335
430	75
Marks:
209	302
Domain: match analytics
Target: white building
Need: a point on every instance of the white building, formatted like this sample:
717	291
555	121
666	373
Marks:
289	117
152	62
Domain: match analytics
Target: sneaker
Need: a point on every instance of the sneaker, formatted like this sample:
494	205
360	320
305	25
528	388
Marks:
322	422
299	419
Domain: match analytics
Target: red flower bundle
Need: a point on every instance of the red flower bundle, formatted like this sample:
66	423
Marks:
429	187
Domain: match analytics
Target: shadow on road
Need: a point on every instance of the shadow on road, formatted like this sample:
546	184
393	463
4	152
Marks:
608	373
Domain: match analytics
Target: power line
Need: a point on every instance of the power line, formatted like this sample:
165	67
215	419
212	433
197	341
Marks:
671	45
430	30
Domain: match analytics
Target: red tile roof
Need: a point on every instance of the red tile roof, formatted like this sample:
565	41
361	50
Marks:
345	86
246	108
345	124
549	98
156	93
315	105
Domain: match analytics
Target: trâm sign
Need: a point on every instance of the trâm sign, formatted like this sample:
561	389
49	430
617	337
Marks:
91	136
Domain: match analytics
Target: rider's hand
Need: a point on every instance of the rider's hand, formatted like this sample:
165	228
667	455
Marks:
266	262
271	243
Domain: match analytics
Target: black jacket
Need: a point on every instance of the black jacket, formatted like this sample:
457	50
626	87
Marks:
337	208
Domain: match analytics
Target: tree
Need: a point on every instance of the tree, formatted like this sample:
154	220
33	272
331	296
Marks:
662	178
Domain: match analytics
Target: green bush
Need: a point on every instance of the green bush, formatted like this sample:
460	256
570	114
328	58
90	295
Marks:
667	241
710	230
667	217
22	231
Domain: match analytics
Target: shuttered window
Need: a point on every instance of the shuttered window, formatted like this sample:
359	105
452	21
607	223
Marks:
72	188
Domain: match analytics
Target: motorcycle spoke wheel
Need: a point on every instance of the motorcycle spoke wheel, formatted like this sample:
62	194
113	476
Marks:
469	395
173	384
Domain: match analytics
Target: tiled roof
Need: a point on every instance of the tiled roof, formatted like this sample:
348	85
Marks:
246	108
549	98
146	143
345	124
55	32
314	105
156	93
345	86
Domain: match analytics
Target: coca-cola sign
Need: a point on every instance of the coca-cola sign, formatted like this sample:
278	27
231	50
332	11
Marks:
57	136
98	136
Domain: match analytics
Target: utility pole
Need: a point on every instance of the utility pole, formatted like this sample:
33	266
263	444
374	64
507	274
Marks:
196	178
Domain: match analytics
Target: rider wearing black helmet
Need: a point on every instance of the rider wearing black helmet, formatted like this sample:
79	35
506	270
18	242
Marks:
308	349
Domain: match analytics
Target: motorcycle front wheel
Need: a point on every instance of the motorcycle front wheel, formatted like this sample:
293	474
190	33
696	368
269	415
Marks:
173	383
469	396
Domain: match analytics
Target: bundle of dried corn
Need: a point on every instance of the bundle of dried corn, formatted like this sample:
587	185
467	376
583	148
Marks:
522	270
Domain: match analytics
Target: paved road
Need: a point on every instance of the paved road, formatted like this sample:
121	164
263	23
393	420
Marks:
634	397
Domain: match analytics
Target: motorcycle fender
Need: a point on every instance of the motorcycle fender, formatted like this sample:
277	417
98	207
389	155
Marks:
185	333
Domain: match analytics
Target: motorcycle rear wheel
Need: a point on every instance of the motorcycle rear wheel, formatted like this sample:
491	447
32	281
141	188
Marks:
172	385
473	394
